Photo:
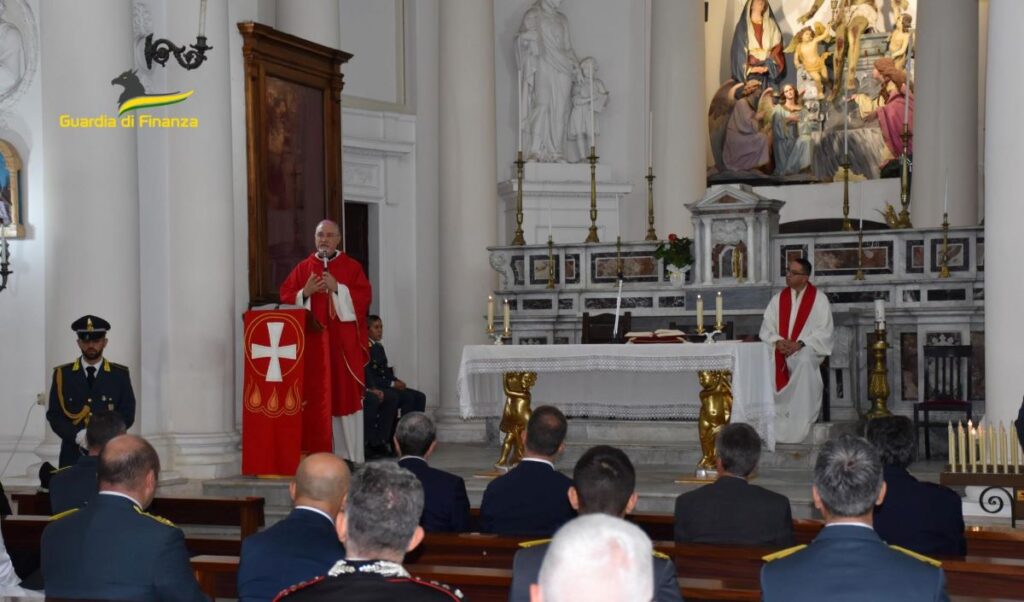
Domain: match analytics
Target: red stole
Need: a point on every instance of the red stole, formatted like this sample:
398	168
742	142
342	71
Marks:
785	308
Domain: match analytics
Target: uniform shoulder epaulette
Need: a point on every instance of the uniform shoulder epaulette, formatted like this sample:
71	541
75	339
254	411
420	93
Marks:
783	553
535	542
63	514
454	592
914	554
159	519
63	366
294	588
61	469
119	366
661	555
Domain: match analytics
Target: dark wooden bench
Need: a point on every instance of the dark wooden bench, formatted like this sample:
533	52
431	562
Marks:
244	513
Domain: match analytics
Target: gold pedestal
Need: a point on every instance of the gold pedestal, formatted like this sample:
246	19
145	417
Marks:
715	412
878	381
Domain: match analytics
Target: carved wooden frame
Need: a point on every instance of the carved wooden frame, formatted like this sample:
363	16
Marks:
271	53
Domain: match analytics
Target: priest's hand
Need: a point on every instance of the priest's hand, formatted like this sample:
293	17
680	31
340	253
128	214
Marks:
314	284
787	347
330	282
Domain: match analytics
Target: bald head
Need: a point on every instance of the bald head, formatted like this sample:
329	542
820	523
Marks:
321	482
128	464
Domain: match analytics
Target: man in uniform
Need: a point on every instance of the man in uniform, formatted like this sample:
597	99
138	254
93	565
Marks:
848	560
89	384
798	325
379	525
111	549
73	486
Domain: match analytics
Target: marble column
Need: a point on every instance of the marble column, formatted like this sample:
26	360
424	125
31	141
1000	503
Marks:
946	113
1004	288
314	20
680	115
469	203
90	199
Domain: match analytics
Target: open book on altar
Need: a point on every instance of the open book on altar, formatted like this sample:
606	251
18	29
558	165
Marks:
662	335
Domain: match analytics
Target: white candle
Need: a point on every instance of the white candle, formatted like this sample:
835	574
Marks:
972	448
700	313
202	18
650	138
951	446
593	134
982	448
846	129
1014	446
879	310
945	197
490	312
962	446
549	219
519	109
718	310
618	307
508	319
992	445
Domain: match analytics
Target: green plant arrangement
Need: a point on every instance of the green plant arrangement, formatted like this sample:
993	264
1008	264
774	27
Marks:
676	251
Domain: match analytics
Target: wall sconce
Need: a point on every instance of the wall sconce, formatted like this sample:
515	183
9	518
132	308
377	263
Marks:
160	51
5	258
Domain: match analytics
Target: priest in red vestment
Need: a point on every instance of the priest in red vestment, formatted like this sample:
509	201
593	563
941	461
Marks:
798	325
333	286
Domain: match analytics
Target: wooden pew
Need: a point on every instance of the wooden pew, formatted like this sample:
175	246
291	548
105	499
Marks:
244	513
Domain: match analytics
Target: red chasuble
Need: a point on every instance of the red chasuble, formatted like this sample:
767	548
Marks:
785	307
336	356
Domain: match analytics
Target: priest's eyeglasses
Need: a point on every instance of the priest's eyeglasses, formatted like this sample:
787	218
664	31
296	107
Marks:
792	273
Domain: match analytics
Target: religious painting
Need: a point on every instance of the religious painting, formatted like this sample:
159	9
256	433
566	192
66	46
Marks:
908	366
293	130
808	85
637	266
11	209
539	269
846	258
915	257
958	257
976	387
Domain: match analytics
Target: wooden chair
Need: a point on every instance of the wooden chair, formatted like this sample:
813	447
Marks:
597	330
946	370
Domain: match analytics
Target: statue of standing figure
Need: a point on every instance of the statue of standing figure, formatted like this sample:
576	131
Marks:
549	67
588	93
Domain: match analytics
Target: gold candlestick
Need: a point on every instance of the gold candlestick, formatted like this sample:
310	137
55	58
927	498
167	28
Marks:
944	254
860	253
903	221
650	204
518	239
878	381
847	226
551	262
592	234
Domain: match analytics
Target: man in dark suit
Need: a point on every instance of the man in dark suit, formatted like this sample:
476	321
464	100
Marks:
74	486
731	511
848	560
378	526
304	544
89	384
445	503
604	482
409	399
924	517
111	549
532	498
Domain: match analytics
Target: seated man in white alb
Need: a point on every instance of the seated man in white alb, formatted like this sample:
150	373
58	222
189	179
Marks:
798	325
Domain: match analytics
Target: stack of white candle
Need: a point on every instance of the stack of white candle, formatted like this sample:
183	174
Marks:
991	448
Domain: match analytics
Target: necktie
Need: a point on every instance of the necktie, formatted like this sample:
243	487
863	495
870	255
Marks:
90	375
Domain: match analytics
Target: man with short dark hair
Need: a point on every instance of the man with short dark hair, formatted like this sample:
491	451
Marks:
848	560
731	511
74	486
924	517
381	374
304	544
111	549
379	525
445	503
604	482
531	499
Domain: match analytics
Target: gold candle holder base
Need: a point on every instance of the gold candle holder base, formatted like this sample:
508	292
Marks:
592	233
651	235
878	381
517	239
847	225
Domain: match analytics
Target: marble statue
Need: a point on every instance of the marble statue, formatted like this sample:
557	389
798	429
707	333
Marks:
579	118
549	67
12	53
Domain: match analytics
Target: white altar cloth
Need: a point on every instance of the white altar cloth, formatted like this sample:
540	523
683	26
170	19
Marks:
649	382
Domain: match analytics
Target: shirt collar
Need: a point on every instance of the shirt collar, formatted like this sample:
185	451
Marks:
318	511
420	458
541	460
124	495
850	524
85	363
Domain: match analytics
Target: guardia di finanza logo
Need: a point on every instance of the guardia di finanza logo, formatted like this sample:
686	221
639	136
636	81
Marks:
134	98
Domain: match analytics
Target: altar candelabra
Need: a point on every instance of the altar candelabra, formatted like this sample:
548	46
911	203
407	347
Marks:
651	235
878	381
518	239
860	253
944	253
903	221
551	262
847	226
592	234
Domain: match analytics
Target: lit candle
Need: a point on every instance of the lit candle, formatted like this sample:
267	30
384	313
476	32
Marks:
519	109
945	197
490	313
880	313
700	313
718	311
650	138
508	319
1003	457
593	132
202	18
1014	446
982	449
906	92
992	445
972	449
846	129
962	446
549	219
951	447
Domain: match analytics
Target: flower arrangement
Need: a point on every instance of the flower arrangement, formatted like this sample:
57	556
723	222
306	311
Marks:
675	251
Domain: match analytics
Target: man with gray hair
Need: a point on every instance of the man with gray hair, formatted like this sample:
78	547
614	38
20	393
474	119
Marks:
378	526
848	560
445	503
597	558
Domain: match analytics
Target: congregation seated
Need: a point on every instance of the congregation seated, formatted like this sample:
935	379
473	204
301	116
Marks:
848	560
111	549
73	486
598	558
532	498
378	526
445	503
732	511
604	482
304	544
924	517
